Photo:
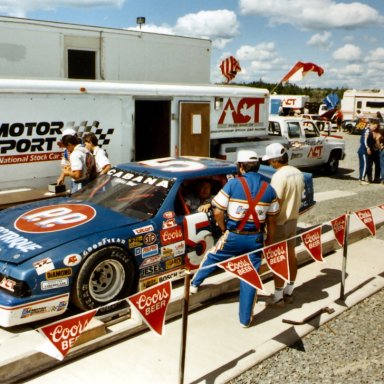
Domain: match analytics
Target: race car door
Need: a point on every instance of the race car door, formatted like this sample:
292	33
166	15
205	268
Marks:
194	129
314	141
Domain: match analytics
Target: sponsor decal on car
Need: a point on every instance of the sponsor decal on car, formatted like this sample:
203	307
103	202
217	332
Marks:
169	223
72	260
172	250
135	242
13	240
149	238
150	261
148	283
171	275
58	273
54	284
141	230
132	178
34	311
173	263
150	250
150	270
43	265
8	284
169	215
171	235
55	218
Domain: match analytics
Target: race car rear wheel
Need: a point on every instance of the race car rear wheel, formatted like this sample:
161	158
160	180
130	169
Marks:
106	275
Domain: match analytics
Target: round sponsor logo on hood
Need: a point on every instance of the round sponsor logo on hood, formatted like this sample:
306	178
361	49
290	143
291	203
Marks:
53	218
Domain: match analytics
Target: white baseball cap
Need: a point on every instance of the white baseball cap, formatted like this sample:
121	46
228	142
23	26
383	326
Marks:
69	132
274	151
246	156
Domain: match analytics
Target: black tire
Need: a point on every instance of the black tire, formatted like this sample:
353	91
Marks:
332	165
106	275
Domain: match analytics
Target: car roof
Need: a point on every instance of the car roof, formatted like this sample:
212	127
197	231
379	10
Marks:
182	167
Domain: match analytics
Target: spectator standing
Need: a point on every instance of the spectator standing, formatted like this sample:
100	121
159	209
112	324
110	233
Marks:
366	148
65	158
103	165
81	167
381	155
375	175
288	183
244	208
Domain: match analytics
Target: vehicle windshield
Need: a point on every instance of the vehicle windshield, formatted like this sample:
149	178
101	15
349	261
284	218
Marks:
130	193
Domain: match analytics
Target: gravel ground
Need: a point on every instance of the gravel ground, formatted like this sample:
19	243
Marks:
349	348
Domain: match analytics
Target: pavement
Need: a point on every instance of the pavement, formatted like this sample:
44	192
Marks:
217	347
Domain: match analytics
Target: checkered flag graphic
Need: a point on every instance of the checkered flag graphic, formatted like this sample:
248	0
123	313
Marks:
102	134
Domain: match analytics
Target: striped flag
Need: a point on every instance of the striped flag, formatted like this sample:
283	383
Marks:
300	70
229	68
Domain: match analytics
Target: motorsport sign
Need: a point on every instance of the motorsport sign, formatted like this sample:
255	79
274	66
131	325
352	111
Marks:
152	305
276	256
312	241
338	226
62	335
242	267
365	215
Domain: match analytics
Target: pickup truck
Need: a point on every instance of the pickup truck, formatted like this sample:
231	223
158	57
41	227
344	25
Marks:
307	148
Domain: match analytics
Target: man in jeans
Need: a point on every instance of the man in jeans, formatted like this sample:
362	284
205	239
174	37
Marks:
288	183
244	208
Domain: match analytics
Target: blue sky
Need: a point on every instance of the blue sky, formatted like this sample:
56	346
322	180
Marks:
268	37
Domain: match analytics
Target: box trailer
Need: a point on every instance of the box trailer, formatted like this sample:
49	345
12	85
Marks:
357	103
132	122
285	104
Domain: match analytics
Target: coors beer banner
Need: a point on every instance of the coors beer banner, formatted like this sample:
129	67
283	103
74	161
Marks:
276	256
365	215
152	304
312	241
242	267
62	335
338	226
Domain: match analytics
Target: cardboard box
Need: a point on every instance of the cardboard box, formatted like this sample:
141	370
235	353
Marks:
56	188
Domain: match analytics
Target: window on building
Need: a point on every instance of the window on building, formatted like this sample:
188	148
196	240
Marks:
81	64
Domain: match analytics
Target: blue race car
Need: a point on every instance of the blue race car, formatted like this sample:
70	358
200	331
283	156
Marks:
123	232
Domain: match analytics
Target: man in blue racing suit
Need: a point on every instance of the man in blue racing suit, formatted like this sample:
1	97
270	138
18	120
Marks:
250	204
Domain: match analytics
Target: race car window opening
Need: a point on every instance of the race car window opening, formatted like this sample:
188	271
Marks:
141	201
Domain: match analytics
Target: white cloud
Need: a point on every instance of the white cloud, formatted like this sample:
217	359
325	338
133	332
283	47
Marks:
349	52
163	29
220	24
320	40
20	8
260	52
313	14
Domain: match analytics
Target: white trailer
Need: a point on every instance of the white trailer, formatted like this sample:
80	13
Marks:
49	50
132	122
362	103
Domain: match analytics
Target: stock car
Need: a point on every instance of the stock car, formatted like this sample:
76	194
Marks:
125	231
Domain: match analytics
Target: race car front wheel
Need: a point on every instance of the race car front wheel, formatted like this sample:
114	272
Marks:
106	275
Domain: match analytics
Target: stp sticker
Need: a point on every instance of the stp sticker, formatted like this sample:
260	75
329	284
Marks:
55	218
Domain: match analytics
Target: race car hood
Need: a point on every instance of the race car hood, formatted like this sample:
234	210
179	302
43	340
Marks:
31	229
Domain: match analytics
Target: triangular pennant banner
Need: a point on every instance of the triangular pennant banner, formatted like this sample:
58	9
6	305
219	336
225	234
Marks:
381	206
338	226
152	304
312	241
365	215
242	268
276	256
62	334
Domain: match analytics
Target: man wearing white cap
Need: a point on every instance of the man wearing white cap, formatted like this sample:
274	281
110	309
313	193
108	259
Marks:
288	183
244	207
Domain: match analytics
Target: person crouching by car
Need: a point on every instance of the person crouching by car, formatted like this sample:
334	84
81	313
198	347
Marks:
82	168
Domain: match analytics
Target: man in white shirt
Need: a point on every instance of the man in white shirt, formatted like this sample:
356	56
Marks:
103	165
81	163
288	183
